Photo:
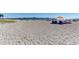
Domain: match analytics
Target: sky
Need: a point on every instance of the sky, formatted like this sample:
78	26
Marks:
50	15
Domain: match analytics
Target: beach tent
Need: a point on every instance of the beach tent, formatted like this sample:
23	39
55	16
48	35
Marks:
60	19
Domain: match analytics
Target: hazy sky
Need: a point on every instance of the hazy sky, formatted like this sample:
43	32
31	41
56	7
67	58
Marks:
16	15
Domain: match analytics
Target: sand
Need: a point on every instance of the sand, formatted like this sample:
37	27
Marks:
38	32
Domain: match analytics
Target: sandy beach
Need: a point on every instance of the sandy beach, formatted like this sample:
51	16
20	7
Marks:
38	32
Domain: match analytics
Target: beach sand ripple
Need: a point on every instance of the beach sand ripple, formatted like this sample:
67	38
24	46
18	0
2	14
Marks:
39	33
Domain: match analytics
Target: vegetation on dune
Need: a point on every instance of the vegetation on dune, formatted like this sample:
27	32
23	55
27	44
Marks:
2	20
6	21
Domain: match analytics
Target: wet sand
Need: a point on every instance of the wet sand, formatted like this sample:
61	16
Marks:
38	33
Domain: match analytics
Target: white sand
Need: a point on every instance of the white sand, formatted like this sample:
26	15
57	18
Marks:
38	33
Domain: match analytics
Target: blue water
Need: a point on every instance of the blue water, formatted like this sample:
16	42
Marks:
42	15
